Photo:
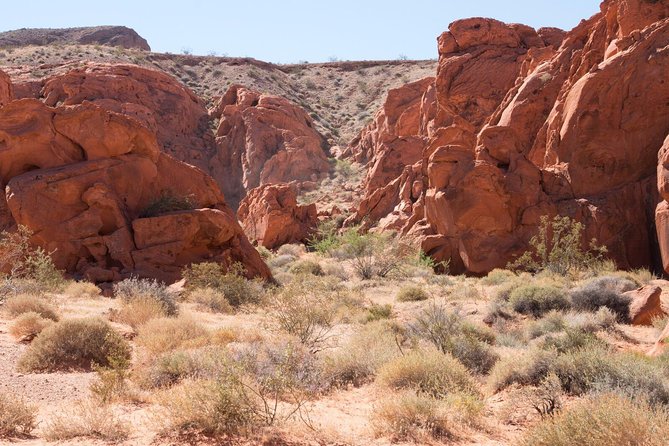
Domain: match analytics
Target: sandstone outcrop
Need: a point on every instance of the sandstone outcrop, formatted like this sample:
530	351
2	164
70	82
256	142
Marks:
263	139
645	305
271	216
95	35
529	123
81	178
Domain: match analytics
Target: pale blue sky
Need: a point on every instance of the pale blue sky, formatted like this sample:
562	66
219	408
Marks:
292	30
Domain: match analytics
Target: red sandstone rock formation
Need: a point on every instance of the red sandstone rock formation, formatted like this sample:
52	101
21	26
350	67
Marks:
271	216
526	126
263	139
645	305
6	93
80	178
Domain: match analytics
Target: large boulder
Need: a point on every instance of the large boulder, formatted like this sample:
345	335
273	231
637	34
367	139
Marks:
263	139
82	178
645	305
271	216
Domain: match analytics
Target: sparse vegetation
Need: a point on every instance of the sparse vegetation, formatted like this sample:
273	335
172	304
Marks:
17	419
28	325
167	202
27	303
411	293
86	420
537	300
164	334
230	281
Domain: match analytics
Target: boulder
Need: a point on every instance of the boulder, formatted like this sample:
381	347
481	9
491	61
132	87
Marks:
645	305
263	139
82	177
271	216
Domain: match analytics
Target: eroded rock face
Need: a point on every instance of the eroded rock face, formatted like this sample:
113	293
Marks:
645	305
6	93
263	139
271	216
101	35
530	123
80	178
162	104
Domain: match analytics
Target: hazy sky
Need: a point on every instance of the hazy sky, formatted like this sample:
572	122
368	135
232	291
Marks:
292	30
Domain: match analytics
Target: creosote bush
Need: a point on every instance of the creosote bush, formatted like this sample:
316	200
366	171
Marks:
74	344
238	290
17	418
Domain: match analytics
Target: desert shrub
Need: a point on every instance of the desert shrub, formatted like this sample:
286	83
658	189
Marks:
307	308
336	270
359	360
498	311
213	407
291	250
411	416
265	253
306	267
411	293
571	340
74	344
551	322
281	261
377	312
237	289
326	238
452	335
524	368
558	248
26	303
604	292
603	420
138	311
88	420
427	371
28	263
545	399
28	325
603	319
498	277
211	299
373	255
168	202
537	300
81	289
174	366
136	289
16	417
164	334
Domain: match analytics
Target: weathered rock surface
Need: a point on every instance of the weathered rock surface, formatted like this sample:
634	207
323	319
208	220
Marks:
80	178
645	305
94	35
271	216
529	123
263	139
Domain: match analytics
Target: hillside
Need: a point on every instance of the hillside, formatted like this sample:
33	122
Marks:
114	36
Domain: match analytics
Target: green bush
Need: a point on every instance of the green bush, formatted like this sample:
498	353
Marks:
74	344
237	289
536	300
412	293
603	420
430	372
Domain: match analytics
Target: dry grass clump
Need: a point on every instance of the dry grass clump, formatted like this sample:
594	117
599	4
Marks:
164	334
498	277
359	360
291	250
28	325
175	366
376	312
30	303
81	289
138	311
411	293
17	418
212	407
306	267
211	300
88	420
74	344
134	289
603	420
427	371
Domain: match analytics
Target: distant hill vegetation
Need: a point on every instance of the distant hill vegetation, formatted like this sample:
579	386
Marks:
118	36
